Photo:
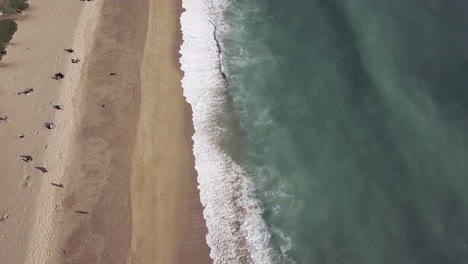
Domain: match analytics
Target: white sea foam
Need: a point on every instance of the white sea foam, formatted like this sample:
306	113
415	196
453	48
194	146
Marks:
236	231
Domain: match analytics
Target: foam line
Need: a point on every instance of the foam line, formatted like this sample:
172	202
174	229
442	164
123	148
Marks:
236	231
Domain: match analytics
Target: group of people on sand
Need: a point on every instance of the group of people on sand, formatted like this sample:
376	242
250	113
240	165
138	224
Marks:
28	158
49	125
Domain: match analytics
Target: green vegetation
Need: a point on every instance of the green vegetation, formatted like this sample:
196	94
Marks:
19	4
10	6
7	29
7	26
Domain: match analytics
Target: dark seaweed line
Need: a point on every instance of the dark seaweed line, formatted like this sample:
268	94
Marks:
218	46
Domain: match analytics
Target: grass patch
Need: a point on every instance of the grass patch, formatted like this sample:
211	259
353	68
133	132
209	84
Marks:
10	6
7	28
19	4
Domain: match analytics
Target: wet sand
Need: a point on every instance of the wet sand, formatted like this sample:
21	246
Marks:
168	226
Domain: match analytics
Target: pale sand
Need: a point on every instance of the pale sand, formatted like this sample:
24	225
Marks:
34	55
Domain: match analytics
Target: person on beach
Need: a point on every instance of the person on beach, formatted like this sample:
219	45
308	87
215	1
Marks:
27	158
58	76
27	91
58	107
3	52
50	125
5	119
69	50
75	60
43	169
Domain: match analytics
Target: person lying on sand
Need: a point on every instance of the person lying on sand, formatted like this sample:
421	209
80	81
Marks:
58	76
26	158
58	107
50	125
5	119
69	50
44	170
27	91
75	60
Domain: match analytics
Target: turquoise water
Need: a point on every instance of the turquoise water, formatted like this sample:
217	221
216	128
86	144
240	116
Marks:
354	126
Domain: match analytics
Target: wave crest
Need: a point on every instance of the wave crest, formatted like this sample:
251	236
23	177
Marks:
236	231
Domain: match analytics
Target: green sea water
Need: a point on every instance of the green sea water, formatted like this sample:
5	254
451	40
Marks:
354	126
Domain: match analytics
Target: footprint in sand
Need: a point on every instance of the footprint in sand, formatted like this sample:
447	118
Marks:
27	181
4	217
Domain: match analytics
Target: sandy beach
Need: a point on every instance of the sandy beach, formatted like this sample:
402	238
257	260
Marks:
36	53
121	153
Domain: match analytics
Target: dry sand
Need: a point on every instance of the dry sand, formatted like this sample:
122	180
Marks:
36	53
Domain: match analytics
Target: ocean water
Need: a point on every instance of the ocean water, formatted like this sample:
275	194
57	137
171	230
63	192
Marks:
330	131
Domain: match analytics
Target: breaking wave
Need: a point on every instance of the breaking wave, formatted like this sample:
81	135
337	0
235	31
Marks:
236	231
